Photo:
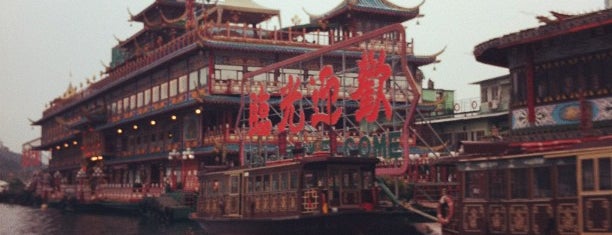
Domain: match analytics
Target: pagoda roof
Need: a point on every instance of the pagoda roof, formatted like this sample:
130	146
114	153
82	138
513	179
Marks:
155	8
241	11
494	51
380	7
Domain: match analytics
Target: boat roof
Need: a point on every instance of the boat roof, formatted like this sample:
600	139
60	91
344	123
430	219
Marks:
494	51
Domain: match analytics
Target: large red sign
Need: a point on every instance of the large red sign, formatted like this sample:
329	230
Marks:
290	94
370	94
327	93
258	113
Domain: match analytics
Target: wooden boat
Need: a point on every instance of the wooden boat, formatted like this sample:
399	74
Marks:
321	194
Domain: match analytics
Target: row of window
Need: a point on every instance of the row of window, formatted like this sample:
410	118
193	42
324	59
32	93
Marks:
256	183
565	78
160	92
521	183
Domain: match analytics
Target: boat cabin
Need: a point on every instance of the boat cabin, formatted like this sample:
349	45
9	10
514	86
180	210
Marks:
309	185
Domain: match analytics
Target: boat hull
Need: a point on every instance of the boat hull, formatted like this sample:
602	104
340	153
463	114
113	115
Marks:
334	223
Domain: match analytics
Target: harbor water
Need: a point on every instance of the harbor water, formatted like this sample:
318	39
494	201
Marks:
16	219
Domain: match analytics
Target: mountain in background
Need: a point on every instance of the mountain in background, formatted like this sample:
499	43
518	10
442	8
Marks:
10	165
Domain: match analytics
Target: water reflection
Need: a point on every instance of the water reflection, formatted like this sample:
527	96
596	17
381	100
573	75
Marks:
15	219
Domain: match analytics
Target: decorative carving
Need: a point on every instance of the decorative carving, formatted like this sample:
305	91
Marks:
541	215
519	222
497	218
597	214
472	216
567	218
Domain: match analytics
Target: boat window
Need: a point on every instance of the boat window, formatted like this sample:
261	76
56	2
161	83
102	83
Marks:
294	180
190	128
216	187
155	94
566	180
284	178
497	184
333	181
352	179
519	181
249	184
173	87
193	80
139	100
182	84
258	183
266	183
542	183
119	107
203	73
274	182
133	102
234	184
588	175
310	179
605	176
163	91
147	96
474	184
126	104
367	179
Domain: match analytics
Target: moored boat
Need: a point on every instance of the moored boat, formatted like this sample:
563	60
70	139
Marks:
310	195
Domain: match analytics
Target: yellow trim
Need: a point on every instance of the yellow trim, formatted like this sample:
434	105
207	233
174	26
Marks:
595	155
579	152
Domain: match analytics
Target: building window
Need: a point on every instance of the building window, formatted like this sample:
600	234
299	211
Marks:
494	93
588	175
519	182
542	185
605	177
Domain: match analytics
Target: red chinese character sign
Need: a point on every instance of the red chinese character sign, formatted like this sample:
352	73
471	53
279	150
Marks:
327	93
290	95
373	74
259	109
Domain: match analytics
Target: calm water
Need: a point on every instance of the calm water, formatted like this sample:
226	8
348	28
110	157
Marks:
15	219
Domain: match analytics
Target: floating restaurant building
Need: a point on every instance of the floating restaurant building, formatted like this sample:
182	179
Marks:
174	100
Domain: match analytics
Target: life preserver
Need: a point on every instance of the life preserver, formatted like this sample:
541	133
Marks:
457	107
445	216
474	104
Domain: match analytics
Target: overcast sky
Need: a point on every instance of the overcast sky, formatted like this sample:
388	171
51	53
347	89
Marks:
45	45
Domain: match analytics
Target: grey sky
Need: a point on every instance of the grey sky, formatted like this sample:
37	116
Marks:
45	45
